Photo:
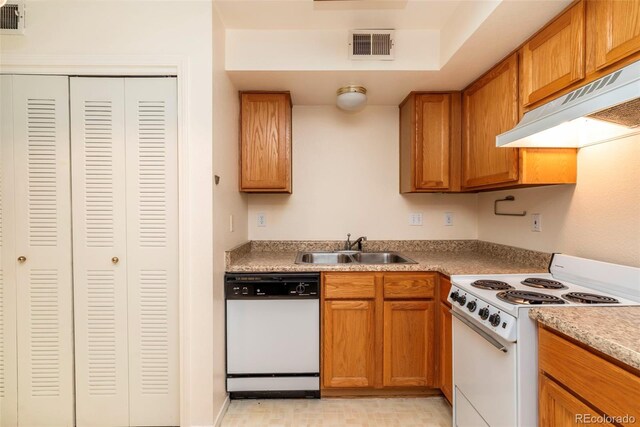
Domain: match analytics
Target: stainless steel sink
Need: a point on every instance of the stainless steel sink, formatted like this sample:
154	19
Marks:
381	258
331	258
323	258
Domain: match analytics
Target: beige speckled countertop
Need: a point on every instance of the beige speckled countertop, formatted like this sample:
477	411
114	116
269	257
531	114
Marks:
614	331
447	257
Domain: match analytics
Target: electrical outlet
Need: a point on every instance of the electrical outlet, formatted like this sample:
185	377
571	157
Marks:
231	223
536	222
262	219
415	218
448	218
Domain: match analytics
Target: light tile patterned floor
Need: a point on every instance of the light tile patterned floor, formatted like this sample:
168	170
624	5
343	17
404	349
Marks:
396	412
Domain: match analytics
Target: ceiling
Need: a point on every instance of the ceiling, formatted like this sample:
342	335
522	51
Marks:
474	35
336	15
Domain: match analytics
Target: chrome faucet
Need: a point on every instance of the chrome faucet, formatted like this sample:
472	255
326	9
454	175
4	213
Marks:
348	245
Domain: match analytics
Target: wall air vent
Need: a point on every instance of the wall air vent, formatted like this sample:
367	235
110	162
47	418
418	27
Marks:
371	45
12	18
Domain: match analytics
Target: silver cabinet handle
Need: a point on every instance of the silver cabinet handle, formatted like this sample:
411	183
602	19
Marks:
115	260
22	259
494	342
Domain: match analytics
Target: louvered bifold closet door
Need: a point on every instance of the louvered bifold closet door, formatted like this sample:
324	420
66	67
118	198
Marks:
8	261
100	259
152	250
43	238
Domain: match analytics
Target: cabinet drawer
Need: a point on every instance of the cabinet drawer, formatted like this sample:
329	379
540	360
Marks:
349	285
402	286
606	386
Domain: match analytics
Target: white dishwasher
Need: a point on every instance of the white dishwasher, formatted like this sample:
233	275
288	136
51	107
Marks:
273	335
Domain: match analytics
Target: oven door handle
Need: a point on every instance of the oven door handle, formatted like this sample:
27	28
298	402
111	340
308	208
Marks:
494	342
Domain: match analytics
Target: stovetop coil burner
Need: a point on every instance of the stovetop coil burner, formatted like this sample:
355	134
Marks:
586	298
493	285
528	297
537	282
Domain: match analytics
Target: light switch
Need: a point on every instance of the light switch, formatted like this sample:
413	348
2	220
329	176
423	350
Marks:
536	222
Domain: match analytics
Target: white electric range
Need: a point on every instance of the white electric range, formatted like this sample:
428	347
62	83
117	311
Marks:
495	348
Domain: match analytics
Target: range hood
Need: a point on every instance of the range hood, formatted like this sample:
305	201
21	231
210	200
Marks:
603	110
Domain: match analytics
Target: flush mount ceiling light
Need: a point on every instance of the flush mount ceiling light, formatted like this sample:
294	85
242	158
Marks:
352	98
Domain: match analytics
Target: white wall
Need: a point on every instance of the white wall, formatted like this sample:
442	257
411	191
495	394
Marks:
327	50
227	200
597	218
345	180
142	29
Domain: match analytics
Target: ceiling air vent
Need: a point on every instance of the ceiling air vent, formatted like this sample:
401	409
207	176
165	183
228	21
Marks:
12	18
371	44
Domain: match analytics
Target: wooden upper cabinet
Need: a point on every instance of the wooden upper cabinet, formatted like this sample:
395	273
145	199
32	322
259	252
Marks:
265	142
613	32
409	343
490	107
429	142
554	58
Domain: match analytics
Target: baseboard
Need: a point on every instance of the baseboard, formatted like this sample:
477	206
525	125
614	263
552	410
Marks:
223	410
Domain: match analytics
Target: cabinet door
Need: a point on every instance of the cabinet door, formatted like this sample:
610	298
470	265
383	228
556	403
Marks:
43	236
99	223
554	58
152	250
446	371
490	108
348	344
613	31
559	408
265	142
432	145
124	139
8	262
408	343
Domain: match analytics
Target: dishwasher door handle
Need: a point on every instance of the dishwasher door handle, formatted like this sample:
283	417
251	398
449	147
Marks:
494	342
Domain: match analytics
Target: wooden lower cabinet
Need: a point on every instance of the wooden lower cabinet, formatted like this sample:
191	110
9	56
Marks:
559	408
348	343
445	366
576	383
380	334
408	344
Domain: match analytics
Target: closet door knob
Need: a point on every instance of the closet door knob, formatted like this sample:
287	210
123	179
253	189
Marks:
22	259
115	260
